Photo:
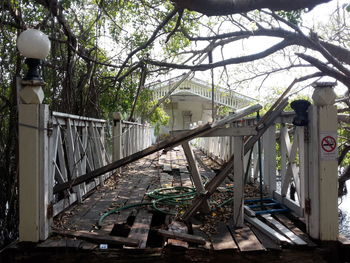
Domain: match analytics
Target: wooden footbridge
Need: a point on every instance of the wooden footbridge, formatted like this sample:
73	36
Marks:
114	194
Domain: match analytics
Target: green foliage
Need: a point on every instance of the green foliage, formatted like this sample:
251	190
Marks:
223	110
144	106
292	16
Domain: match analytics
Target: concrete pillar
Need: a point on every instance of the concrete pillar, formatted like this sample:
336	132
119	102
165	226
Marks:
117	153
321	204
35	186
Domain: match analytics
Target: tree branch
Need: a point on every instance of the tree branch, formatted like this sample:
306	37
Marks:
326	69
229	7
243	59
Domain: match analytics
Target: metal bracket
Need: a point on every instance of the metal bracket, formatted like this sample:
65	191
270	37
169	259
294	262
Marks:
49	212
307	206
49	128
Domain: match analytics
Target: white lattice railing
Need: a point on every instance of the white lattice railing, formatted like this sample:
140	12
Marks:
283	158
77	146
136	137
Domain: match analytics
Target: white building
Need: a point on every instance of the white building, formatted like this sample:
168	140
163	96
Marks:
191	102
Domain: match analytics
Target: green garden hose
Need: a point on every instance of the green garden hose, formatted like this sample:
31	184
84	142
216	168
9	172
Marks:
171	196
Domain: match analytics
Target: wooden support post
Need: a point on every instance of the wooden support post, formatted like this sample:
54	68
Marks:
322	179
238	172
196	177
269	148
35	184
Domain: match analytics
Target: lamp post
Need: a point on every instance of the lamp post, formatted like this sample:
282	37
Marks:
35	193
35	46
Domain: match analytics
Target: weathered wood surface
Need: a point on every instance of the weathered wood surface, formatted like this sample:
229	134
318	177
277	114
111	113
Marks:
96	238
177	228
140	228
131	188
173	141
246	239
223	240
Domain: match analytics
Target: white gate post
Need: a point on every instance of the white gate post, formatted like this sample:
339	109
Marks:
117	153
321	204
35	186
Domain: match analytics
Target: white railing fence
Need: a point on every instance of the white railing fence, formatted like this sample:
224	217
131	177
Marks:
77	146
136	137
283	158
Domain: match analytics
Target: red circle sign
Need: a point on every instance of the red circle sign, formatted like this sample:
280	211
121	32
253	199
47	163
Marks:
328	144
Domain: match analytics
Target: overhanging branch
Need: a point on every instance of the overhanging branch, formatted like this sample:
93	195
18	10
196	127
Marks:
229	7
243	59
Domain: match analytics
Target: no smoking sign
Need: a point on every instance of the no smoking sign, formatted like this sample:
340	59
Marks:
328	145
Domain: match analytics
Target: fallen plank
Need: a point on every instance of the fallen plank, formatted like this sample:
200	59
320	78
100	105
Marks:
177	227
140	228
288	223
96	238
246	239
279	238
284	230
182	236
223	240
172	141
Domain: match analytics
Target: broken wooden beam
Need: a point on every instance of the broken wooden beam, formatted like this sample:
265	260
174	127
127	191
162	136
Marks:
182	236
177	227
170	142
97	238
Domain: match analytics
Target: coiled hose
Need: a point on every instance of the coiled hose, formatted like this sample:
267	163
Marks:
171	196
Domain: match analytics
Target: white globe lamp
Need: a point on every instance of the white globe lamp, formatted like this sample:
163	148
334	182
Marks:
35	46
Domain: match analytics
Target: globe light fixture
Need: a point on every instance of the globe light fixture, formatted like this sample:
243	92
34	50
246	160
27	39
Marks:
35	46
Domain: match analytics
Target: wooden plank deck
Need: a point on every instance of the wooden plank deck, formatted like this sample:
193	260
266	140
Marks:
141	227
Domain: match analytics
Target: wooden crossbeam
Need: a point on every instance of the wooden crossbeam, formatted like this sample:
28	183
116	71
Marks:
196	177
171	142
